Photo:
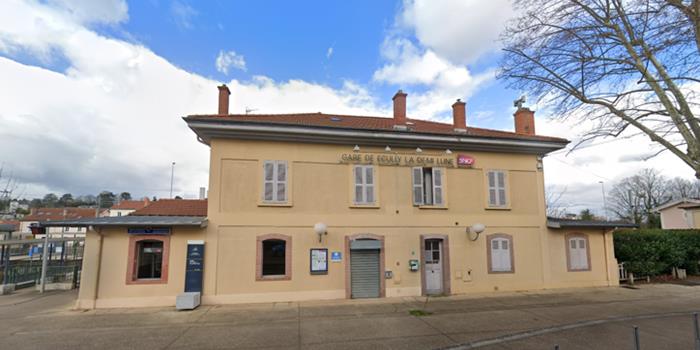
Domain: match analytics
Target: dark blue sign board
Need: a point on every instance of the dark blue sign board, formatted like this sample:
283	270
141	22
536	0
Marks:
149	230
194	269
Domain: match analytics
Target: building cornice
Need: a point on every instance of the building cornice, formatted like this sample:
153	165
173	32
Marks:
207	130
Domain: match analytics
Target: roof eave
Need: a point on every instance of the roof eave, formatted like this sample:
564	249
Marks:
131	221
208	130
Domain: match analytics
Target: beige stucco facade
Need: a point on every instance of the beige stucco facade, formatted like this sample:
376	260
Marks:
320	189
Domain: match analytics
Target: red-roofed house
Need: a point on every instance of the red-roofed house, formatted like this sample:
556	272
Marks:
174	207
37	215
127	207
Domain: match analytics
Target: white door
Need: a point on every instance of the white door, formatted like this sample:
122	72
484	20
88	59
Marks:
433	266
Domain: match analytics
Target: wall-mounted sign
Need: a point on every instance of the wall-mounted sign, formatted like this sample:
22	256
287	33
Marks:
149	231
336	257
445	161
319	261
194	266
464	160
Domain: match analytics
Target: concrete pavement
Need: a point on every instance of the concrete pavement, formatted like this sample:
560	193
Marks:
597	318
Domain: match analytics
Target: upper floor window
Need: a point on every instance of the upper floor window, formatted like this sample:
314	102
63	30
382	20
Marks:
364	184
577	247
428	186
497	188
275	181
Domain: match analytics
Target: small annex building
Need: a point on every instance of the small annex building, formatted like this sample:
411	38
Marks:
325	206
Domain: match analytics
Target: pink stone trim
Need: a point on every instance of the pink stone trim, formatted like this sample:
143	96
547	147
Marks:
287	258
568	253
489	238
131	260
382	280
446	279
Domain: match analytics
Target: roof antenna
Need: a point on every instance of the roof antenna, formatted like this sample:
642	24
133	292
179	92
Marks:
519	102
249	110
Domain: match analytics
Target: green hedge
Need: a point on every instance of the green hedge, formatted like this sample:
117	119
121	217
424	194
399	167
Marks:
653	252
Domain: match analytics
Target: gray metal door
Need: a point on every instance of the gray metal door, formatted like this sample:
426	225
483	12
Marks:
433	266
364	273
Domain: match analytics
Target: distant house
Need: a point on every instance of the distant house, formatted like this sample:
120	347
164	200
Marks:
127	207
56	214
174	207
679	214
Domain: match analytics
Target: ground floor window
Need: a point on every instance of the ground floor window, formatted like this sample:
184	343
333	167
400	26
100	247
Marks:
148	259
274	257
500	253
577	252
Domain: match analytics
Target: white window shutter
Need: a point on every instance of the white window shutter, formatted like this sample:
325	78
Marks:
281	181
369	184
268	180
359	188
437	186
501	184
492	188
418	186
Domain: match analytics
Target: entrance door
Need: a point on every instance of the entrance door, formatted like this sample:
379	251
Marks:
433	266
364	273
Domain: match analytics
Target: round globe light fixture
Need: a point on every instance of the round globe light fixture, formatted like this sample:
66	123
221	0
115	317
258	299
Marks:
475	230
320	229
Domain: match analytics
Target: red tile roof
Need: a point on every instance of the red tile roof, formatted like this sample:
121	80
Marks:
51	214
367	123
174	207
130	204
14	223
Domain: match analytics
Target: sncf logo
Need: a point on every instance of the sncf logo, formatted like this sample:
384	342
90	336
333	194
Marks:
464	160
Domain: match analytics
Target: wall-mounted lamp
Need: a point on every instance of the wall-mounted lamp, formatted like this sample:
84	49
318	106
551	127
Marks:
475	230
356	148
447	151
387	148
418	150
320	229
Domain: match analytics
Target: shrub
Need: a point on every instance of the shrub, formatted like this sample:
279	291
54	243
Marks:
652	252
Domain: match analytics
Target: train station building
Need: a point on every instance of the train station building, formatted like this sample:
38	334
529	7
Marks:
325	206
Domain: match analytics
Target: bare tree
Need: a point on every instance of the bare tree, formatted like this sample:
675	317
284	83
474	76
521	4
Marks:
553	203
680	188
624	65
634	198
8	186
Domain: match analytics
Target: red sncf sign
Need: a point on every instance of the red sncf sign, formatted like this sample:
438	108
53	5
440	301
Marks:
465	160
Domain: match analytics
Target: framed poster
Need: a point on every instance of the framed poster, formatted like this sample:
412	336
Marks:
319	261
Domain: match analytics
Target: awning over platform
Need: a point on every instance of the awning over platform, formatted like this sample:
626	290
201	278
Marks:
557	223
129	221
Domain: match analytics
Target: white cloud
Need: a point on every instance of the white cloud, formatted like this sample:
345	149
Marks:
228	59
430	45
112	120
183	14
458	30
93	11
329	53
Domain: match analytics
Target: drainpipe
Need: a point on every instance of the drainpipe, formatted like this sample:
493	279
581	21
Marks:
99	267
44	262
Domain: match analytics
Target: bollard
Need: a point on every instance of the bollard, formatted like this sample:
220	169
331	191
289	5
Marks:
636	338
697	331
556	347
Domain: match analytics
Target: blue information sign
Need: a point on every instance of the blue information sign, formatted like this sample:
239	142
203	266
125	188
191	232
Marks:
194	269
336	256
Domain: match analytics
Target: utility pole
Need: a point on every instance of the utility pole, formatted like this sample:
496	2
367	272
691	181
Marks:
172	176
605	207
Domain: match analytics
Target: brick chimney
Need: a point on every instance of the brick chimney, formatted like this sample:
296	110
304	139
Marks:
459	115
399	110
224	93
524	121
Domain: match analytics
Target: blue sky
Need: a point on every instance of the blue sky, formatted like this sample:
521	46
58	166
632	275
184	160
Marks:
92	91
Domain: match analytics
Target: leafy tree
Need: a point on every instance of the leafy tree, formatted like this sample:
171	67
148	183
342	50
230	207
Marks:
626	66
125	196
586	215
106	199
50	200
66	200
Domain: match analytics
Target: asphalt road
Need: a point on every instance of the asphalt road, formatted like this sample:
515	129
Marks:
600	318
